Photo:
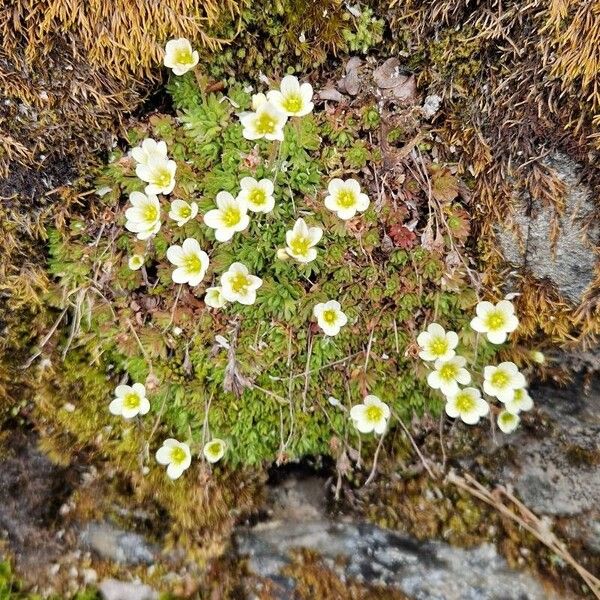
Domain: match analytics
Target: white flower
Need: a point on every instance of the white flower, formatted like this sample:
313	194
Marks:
258	100
300	241
135	262
448	374
176	455
502	381
345	198
538	357
129	401
292	98
237	285
468	405
182	211
436	343
214	450
190	260
180	57
143	217
266	122
371	415
214	297
258	195
496	321
330	317
521	402
159	174
228	218
507	421
148	150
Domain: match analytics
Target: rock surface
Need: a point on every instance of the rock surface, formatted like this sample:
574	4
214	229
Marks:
112	589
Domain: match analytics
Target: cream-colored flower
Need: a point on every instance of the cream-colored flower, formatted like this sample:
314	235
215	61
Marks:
521	402
148	150
176	455
496	321
129	401
507	421
371	415
143	217
266	122
214	450
538	357
258	100
159	174
135	262
300	241
191	262
237	285
182	211
330	317
258	195
502	381
292	98
214	297
228	218
468	405
436	343
345	198
448	374
180	57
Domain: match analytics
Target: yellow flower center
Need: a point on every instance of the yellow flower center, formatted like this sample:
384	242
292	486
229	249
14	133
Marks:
240	283
438	346
184	56
500	379
448	372
465	402
495	320
214	449
231	216
258	196
162	178
300	245
507	418
131	400
192	263
150	213
374	413
265	123
178	455
329	316
292	102
185	212
346	199
518	395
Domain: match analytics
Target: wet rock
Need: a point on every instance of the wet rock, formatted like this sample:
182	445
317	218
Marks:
112	589
571	264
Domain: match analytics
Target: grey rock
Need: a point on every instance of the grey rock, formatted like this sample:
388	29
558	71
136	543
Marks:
570	265
116	544
112	589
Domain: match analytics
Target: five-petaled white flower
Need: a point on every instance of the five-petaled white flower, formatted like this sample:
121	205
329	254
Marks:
214	297
292	98
148	150
496	321
448	374
300	241
143	217
176	455
129	401
371	415
345	198
467	404
214	450
229	216
436	343
258	195
180	57
266	122
502	381
507	421
521	401
330	317
191	262
159	174
135	262
182	211
237	285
